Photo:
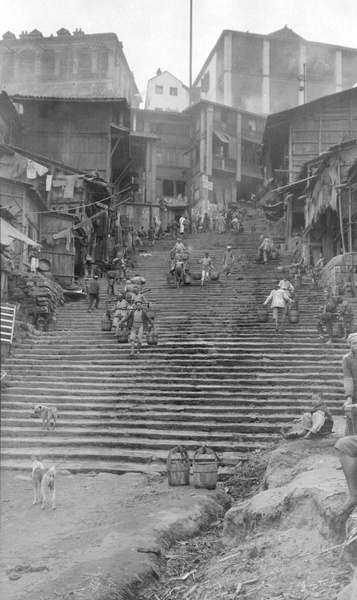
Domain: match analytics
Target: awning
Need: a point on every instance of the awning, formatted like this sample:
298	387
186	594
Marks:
9	234
222	137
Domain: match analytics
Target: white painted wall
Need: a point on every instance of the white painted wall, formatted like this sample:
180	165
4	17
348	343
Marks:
166	100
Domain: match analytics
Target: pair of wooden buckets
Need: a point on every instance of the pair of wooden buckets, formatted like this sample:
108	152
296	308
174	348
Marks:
205	467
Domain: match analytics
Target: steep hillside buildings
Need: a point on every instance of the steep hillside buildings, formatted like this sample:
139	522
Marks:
270	73
66	65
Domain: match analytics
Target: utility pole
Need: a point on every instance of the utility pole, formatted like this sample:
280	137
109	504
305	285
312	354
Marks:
190	67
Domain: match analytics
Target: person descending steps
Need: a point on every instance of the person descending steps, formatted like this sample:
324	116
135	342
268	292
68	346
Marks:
207	267
228	260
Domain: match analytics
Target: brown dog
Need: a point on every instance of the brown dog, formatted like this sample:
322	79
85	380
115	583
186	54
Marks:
43	479
48	414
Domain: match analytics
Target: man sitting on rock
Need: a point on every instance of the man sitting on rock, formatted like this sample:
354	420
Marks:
317	422
347	451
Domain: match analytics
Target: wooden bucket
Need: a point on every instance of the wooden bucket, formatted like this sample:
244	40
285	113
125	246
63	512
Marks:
294	315
205	468
274	255
187	279
263	314
338	330
123	335
151	313
170	279
178	467
196	276
152	338
214	275
297	281
106	325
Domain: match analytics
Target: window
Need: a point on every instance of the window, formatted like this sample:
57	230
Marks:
224	115
103	59
26	63
180	187
65	63
173	91
47	64
85	63
168	187
7	65
159	89
252	125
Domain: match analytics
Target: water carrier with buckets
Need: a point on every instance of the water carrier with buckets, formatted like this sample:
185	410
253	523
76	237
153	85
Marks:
178	466
205	468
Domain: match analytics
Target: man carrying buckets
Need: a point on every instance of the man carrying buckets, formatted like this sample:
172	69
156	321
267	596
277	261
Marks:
207	267
279	300
136	320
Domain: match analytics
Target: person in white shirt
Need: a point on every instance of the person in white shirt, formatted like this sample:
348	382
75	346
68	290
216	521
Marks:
288	287
207	267
279	301
182	225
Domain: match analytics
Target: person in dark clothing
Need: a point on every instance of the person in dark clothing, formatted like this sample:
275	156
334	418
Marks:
327	317
93	291
345	312
318	421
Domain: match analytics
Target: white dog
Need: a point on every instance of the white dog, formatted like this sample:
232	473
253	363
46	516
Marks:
43	479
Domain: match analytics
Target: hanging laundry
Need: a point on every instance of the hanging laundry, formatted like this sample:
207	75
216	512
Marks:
58	183
34	169
49	179
69	189
66	233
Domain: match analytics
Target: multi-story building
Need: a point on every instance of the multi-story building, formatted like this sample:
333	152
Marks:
66	65
296	143
160	143
270	73
166	92
225	155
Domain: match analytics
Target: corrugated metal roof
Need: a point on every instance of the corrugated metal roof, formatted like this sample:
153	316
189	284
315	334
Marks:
9	234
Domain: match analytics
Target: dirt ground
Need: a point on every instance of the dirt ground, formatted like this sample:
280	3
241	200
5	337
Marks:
88	547
109	531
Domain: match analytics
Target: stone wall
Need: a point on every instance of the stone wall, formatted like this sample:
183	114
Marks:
337	270
35	295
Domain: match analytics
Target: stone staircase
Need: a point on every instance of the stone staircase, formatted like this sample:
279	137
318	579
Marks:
218	376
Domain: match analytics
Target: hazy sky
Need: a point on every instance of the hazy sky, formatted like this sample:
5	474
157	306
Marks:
155	33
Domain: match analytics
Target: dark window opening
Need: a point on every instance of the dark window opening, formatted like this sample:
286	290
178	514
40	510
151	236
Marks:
159	89
173	91
180	188
168	187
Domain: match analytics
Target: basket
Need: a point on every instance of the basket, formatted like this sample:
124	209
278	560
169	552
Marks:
178	467
187	279
106	325
263	315
123	335
196	276
214	276
205	468
152	338
294	315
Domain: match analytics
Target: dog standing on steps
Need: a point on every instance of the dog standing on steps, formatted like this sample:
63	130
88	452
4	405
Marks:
48	414
43	479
